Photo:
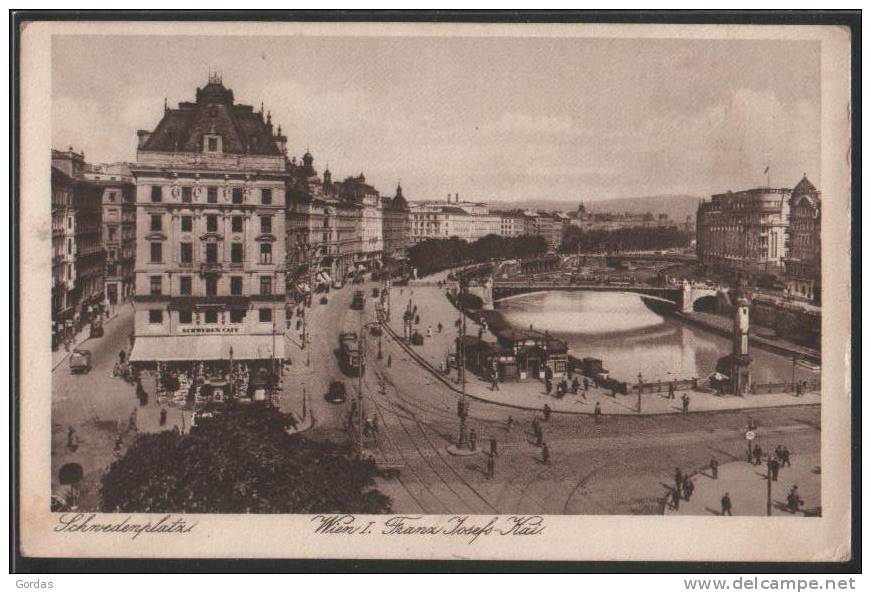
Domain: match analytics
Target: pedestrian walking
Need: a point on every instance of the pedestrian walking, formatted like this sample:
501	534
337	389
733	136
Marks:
715	467
685	400
547	386
491	466
774	468
545	454
786	457
597	413
493	452
494	383
163	415
675	499
439	327
688	488
586	384
473	440
678	478
546	412
757	455
575	385
71	439
429	331
121	356
725	505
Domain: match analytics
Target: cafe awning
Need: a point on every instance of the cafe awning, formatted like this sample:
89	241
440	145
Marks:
210	347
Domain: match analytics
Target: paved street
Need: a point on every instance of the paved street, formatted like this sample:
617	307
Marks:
621	466
96	405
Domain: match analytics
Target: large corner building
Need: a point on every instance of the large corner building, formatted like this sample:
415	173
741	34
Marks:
210	260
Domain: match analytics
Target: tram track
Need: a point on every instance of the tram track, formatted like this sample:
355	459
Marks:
429	451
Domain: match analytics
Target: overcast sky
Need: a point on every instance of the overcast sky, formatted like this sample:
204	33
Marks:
498	119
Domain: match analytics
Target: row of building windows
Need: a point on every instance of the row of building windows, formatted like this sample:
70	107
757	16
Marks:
186	253
185	285
187	223
236	195
185	316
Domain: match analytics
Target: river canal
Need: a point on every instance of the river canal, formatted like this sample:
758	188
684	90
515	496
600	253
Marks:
629	337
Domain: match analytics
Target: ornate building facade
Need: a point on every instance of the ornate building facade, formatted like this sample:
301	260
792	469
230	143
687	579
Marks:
210	224
396	227
802	263
77	250
119	228
744	232
323	228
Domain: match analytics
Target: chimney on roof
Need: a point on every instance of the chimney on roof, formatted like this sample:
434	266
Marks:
457	198
449	198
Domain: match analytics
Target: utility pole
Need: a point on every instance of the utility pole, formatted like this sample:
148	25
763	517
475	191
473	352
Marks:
360	389
794	384
461	363
640	382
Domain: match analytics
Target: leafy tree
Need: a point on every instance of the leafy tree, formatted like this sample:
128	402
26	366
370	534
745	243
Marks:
241	460
438	254
625	239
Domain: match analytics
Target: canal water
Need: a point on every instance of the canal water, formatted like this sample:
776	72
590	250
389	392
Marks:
629	337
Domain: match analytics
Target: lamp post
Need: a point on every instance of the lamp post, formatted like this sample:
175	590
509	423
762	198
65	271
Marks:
794	384
640	382
768	480
461	364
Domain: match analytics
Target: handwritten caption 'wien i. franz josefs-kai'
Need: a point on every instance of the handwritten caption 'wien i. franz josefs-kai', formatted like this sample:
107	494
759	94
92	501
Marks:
463	526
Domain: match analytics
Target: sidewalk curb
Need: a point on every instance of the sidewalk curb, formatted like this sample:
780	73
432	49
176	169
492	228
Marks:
428	367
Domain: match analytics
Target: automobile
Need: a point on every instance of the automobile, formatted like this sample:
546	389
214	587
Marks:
80	361
336	393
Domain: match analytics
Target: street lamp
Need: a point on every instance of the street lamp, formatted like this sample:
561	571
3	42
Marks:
463	410
640	382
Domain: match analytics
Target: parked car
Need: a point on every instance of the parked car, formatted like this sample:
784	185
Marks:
80	361
336	393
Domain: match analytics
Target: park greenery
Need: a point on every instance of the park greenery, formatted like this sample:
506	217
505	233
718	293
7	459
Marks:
240	460
638	238
434	255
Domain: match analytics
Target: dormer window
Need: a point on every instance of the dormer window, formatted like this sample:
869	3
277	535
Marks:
213	143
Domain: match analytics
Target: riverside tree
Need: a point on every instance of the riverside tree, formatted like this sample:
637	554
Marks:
241	460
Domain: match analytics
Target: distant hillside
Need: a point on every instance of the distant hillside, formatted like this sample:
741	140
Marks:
678	207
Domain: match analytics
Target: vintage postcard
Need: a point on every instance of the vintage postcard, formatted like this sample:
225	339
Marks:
435	291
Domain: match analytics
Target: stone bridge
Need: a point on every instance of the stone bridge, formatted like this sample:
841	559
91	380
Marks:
683	297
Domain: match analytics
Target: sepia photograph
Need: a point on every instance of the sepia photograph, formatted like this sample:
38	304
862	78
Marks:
417	280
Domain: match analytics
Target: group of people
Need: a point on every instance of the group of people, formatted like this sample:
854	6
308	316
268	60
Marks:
683	488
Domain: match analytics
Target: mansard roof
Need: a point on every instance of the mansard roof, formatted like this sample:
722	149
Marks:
241	129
